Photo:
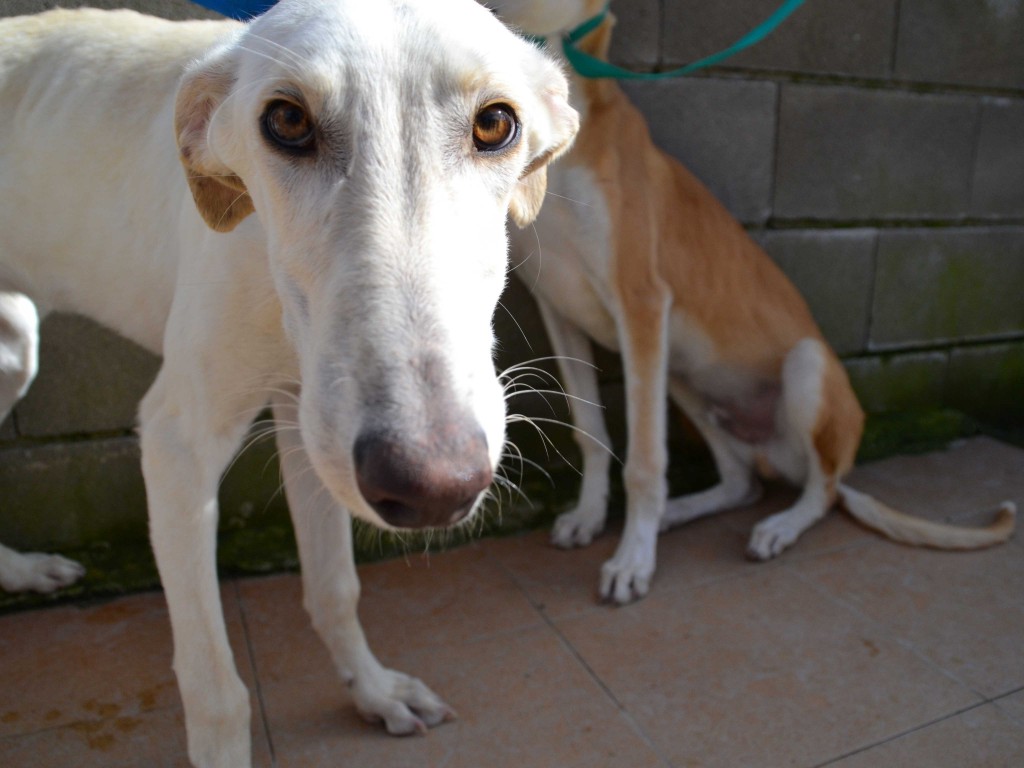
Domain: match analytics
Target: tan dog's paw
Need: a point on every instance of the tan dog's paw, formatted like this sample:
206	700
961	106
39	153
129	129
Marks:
772	535
404	704
576	528
627	576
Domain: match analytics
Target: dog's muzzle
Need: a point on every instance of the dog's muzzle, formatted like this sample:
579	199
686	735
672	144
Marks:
427	484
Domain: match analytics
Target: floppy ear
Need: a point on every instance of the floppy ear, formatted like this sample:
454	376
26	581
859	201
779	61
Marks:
219	194
551	133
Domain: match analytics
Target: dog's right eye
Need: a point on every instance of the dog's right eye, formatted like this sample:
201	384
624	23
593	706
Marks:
289	126
495	128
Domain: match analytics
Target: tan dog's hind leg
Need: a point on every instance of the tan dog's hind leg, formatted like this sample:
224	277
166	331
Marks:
809	416
331	592
579	526
643	335
737	485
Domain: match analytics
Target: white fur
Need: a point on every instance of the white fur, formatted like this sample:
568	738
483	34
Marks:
358	297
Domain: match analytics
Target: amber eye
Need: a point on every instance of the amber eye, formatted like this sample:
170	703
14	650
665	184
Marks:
287	125
495	128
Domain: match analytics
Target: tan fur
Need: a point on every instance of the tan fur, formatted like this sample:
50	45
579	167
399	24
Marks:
674	243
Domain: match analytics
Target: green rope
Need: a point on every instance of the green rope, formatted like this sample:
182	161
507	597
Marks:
592	67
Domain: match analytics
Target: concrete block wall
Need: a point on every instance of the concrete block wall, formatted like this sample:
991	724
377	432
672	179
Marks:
876	150
874	147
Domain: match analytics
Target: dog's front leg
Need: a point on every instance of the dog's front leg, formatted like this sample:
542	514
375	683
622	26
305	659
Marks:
579	526
331	593
187	441
643	335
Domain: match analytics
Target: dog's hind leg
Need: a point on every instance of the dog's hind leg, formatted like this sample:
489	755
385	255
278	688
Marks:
643	334
823	424
737	484
579	526
331	592
19	354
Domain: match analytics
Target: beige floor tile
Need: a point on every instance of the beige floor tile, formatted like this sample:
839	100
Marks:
98	678
1013	706
760	670
72	664
961	610
983	737
416	602
563	583
154	739
522	701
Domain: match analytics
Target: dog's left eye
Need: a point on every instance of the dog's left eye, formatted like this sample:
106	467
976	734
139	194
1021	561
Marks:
288	125
495	128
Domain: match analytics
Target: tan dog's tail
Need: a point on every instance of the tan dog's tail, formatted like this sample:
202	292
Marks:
918	532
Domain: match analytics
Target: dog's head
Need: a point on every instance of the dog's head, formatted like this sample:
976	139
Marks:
381	145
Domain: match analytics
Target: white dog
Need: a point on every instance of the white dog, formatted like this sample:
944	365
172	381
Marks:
380	146
637	254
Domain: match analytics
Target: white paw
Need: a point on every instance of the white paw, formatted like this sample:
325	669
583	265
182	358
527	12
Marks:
576	529
37	572
627	576
772	535
404	704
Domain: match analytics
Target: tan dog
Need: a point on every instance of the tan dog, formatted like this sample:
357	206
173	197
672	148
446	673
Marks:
634	252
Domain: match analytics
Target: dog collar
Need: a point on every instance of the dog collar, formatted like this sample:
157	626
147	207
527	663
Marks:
592	67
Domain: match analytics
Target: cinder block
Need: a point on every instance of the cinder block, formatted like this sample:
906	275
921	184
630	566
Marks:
940	285
722	130
998	186
79	493
988	383
833	270
637	36
848	153
841	38
68	494
90	380
169	9
900	382
970	43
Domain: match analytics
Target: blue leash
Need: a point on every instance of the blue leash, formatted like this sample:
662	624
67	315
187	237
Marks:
592	67
585	64
237	9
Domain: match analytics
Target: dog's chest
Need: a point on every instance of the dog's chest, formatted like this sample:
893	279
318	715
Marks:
567	254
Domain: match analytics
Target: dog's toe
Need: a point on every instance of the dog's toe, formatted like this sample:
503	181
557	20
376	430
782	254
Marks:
622	585
404	704
574	529
770	537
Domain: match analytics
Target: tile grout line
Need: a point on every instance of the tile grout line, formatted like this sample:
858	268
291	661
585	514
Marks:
574	652
901	734
255	672
891	633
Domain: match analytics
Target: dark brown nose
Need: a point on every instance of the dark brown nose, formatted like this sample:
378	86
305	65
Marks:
422	485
